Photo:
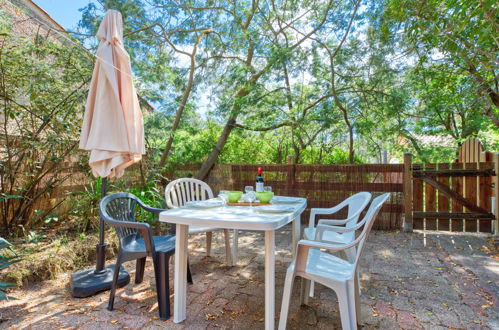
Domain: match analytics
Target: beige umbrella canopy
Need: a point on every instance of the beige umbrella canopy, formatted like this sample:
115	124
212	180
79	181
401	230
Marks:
113	130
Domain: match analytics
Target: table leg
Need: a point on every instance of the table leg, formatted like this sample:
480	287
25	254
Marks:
235	245
180	279
269	279
228	251
296	233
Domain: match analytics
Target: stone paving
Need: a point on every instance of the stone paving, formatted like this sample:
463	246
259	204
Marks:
410	281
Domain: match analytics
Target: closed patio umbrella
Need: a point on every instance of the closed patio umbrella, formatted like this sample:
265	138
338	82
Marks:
113	133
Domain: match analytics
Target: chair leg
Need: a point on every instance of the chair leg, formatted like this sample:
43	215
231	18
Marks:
352	302
110	305
312	289
189	275
357	299
162	285
286	297
345	310
305	291
228	254
351	254
209	236
312	283
235	243
140	265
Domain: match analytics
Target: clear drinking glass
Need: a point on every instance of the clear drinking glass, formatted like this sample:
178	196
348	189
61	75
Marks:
267	189
251	197
224	196
247	189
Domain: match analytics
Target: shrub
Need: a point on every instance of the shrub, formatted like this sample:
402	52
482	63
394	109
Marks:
42	92
6	259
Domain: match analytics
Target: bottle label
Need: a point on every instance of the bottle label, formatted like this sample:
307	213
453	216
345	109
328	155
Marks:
259	187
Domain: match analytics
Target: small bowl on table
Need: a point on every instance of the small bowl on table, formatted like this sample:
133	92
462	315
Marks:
234	196
265	196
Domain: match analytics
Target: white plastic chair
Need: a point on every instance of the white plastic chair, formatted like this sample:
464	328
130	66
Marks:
356	204
336	273
323	232
183	190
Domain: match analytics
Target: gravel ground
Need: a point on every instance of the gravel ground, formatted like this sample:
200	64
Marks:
410	281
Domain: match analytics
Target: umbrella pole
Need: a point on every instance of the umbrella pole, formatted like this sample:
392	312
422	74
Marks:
101	247
88	282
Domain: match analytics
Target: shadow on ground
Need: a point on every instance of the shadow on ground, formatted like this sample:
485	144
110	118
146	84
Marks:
411	281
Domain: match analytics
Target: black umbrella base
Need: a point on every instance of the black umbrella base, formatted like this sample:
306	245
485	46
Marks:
86	283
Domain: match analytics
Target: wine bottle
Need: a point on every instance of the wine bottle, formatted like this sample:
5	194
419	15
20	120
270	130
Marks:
259	181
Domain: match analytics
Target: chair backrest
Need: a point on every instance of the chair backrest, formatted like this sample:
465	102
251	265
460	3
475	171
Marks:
367	222
119	207
356	204
180	191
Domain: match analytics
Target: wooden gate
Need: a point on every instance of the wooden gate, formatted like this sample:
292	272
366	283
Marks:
455	196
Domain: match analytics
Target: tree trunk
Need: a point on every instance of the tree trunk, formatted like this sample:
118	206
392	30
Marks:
351	151
485	88
212	158
222	140
490	113
183	102
168	147
347	123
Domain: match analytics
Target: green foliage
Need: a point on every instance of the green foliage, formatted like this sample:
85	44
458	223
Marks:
461	33
85	205
345	93
52	218
332	155
279	91
447	104
150	194
42	89
34	237
5	23
242	70
7	258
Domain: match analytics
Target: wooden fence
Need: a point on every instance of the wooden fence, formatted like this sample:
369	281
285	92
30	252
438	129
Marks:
77	178
322	185
449	197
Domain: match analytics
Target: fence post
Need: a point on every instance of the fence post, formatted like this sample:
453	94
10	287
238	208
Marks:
291	175
407	225
495	205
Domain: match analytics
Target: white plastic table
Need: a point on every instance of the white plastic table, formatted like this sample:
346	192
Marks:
232	217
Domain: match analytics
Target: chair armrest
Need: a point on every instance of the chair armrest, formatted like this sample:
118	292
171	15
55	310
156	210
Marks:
347	229
329	225
127	224
305	245
321	245
338	221
152	209
172	228
321	229
143	228
148	208
338	229
328	210
323	211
